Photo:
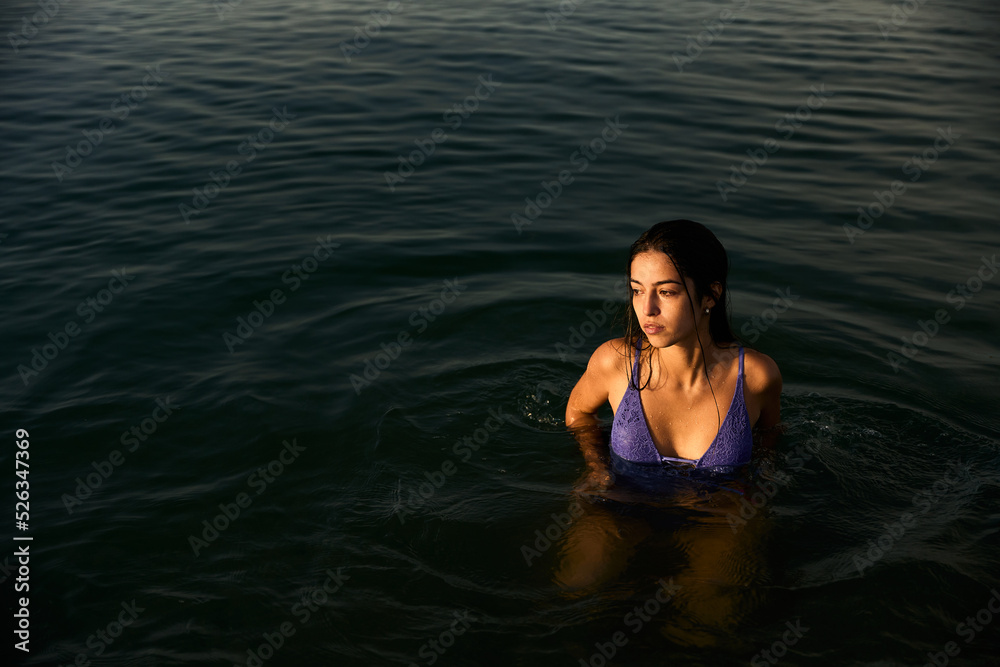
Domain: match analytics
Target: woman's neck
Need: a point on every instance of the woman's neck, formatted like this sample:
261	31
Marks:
683	364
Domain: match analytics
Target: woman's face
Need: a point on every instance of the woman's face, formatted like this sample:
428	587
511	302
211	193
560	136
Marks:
660	302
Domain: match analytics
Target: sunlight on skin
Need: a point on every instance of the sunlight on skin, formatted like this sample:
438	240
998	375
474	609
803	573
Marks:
718	565
597	549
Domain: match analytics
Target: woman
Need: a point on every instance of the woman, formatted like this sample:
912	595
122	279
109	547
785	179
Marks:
686	398
683	393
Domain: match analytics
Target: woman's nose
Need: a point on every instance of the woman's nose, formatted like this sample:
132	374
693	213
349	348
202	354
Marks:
649	305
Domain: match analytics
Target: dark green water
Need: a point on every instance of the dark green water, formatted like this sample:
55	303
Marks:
821	111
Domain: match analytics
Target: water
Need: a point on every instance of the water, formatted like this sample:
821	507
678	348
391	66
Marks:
878	450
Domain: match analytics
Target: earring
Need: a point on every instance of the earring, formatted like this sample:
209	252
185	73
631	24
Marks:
707	311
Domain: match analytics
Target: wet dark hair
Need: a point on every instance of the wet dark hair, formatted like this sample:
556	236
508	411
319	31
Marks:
696	254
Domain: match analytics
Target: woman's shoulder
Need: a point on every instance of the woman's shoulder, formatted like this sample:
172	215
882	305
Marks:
761	372
611	356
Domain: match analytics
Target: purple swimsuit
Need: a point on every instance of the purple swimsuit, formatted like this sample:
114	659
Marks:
631	440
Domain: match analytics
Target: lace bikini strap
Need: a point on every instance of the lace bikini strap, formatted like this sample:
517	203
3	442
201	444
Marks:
635	365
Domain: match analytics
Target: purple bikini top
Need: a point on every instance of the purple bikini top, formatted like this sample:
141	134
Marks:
631	440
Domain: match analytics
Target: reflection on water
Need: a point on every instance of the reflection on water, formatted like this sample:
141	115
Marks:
702	535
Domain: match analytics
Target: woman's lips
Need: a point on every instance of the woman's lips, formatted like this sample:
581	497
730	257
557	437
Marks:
652	328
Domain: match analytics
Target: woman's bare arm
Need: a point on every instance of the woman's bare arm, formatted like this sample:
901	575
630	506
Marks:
589	394
764	382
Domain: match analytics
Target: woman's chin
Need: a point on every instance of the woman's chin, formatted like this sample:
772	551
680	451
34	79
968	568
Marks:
660	340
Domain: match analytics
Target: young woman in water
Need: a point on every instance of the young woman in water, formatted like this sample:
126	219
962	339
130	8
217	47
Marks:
686	399
683	392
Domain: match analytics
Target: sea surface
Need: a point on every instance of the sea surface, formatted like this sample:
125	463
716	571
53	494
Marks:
294	295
